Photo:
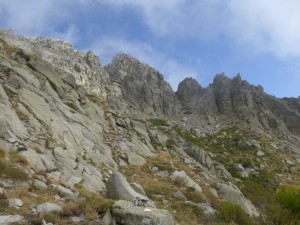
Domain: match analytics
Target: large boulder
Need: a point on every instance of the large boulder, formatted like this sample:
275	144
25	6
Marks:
185	180
126	212
10	219
48	207
118	188
232	194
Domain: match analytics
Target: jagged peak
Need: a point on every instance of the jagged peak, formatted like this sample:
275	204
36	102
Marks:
189	82
221	77
188	89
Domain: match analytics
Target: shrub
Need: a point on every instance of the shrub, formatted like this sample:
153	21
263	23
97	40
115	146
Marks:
12	173
279	216
159	122
2	153
170	144
95	99
95	203
193	195
229	212
289	198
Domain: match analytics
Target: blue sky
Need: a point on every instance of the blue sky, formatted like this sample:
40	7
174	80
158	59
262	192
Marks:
181	38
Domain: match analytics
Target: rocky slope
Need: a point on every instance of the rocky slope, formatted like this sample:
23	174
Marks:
69	126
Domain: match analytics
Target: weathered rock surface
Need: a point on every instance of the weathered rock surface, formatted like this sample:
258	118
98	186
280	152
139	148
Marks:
182	178
126	212
15	202
142	85
231	193
48	207
10	219
118	188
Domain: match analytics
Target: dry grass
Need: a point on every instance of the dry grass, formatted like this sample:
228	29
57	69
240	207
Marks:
95	99
16	158
2	153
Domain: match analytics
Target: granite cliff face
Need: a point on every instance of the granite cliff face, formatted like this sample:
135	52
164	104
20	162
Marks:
237	99
69	127
143	86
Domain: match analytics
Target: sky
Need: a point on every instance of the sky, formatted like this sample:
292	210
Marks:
180	38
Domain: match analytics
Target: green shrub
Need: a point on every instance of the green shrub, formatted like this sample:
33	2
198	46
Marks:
95	98
193	195
159	122
73	106
12	173
289	198
95	203
279	216
229	212
260	189
170	144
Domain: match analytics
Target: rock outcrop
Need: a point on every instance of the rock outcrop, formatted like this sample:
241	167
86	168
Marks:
142	85
231	193
125	212
118	188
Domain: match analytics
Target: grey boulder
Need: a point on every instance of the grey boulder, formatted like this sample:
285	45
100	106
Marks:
48	207
126	212
118	188
10	219
231	193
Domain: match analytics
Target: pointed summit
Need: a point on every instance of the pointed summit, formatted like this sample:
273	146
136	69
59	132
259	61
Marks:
188	89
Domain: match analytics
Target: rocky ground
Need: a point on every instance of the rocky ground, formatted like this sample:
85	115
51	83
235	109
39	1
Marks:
80	142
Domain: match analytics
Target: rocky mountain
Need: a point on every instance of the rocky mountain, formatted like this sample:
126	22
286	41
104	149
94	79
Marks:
87	144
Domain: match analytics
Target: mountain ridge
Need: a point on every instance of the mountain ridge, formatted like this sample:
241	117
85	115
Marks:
70	128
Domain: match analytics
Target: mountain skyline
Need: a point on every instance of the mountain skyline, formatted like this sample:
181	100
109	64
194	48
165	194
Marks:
179	38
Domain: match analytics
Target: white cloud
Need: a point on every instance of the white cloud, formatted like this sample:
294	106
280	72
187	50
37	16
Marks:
173	70
38	18
270	26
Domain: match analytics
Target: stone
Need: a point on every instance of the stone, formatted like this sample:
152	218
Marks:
118	188
138	188
107	219
154	169
200	155
66	192
2	191
48	207
184	179
15	202
289	162
39	184
206	207
77	219
122	162
231	193
141	129
260	153
126	212
135	160
179	195
10	219
254	143
48	71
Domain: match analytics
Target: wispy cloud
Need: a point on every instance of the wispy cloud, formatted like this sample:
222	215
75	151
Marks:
267	26
38	18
